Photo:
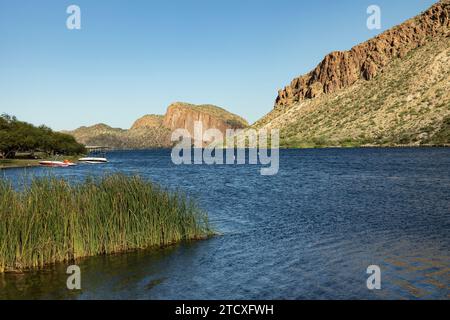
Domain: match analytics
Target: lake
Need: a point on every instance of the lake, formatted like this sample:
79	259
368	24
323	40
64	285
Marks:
309	232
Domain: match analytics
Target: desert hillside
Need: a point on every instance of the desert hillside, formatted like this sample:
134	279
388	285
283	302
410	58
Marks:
154	131
391	90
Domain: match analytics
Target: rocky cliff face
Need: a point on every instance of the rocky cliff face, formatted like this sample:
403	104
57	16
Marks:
154	131
184	116
340	70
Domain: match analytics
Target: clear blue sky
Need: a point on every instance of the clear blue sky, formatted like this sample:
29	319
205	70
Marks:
136	57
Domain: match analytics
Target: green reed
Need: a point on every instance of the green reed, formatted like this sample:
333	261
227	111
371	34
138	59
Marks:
51	220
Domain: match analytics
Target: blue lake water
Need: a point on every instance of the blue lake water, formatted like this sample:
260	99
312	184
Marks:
309	232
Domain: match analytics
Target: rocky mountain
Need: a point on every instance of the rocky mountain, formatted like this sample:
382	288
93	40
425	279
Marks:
148	121
391	90
154	131
182	115
365	61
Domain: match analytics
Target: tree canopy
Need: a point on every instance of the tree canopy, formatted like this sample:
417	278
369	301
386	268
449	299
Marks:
17	136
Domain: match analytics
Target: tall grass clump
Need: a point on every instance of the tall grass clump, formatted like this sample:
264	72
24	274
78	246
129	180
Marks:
53	221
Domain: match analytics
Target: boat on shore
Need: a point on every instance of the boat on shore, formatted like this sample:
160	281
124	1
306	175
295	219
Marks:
62	164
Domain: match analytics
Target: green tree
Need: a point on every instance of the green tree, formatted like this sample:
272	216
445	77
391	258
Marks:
17	136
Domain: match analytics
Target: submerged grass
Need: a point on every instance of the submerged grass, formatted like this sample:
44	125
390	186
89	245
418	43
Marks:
53	221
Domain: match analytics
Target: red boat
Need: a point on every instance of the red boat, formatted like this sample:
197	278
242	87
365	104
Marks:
62	164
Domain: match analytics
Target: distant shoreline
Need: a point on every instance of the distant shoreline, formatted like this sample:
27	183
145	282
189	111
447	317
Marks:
23	164
370	147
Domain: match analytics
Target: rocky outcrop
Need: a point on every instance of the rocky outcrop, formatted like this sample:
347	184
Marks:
148	121
154	131
340	70
183	116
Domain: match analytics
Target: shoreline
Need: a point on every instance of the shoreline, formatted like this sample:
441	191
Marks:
27	163
18	164
78	259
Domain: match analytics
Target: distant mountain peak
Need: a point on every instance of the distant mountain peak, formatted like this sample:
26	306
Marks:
154	131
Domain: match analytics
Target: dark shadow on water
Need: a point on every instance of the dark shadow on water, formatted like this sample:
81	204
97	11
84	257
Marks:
111	274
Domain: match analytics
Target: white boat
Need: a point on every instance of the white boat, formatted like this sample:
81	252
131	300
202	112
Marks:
97	155
93	160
